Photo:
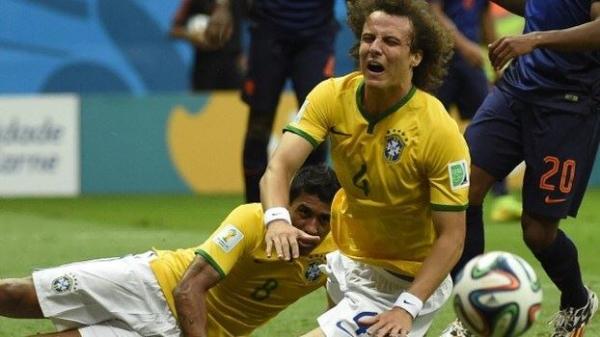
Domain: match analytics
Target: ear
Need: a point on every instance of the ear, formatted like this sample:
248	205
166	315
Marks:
416	58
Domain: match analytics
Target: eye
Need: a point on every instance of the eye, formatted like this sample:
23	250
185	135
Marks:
367	38
304	211
392	41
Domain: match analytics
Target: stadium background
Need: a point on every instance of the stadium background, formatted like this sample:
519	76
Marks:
132	122
94	104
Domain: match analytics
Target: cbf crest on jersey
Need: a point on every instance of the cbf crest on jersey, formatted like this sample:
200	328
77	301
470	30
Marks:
394	144
313	272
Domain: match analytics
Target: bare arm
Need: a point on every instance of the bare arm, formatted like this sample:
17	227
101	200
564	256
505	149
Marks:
450	227
468	49
513	6
290	154
584	37
220	25
190	297
198	40
488	26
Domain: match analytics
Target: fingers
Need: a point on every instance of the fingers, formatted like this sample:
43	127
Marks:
387	330
307	238
368	320
493	50
284	239
281	246
269	245
218	32
388	324
501	56
283	251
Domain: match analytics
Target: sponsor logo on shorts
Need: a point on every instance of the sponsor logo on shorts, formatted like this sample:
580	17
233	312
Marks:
550	200
228	237
459	174
64	283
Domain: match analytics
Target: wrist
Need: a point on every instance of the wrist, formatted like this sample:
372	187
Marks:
276	213
540	39
410	303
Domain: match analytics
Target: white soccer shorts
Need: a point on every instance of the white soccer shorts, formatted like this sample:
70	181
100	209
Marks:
360	290
115	297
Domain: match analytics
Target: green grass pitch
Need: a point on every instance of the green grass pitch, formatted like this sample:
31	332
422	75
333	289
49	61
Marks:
37	233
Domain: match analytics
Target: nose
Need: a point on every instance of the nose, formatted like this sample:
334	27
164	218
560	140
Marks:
311	226
375	47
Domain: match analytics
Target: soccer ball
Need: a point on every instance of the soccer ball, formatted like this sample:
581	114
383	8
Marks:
197	24
497	295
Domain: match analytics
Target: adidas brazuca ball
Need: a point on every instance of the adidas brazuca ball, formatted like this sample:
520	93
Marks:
497	295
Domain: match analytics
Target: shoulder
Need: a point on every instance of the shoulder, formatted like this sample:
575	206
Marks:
339	84
248	218
439	126
429	107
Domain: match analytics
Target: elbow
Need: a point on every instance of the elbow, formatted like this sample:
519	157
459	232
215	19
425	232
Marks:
182	294
270	171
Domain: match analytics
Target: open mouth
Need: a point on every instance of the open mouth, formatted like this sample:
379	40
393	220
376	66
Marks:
375	67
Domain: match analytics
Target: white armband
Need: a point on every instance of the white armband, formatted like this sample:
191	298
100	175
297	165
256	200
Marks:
277	213
409	302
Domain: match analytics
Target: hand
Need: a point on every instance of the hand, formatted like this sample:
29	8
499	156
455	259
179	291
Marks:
395	322
506	48
220	26
285	238
472	53
199	41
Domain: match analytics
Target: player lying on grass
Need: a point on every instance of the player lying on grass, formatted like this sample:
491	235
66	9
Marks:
225	287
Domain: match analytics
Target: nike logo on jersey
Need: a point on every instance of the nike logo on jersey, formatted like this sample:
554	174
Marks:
550	200
336	132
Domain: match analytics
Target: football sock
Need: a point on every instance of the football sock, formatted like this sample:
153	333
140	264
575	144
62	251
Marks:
255	163
474	239
560	262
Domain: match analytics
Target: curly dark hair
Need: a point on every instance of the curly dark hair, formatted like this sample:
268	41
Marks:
429	36
319	180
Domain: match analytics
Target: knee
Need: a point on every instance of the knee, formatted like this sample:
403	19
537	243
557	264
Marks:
538	232
8	290
15	290
259	125
477	193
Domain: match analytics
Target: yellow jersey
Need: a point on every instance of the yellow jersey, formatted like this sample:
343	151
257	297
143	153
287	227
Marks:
253	288
394	168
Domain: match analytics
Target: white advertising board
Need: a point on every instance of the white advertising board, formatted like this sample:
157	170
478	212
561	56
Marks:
39	145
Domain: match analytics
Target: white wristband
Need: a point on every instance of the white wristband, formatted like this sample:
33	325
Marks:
277	213
409	302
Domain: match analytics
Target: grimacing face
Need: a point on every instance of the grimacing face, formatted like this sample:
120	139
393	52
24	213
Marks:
384	52
311	215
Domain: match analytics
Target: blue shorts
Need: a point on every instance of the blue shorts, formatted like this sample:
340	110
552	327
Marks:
273	58
558	147
465	86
